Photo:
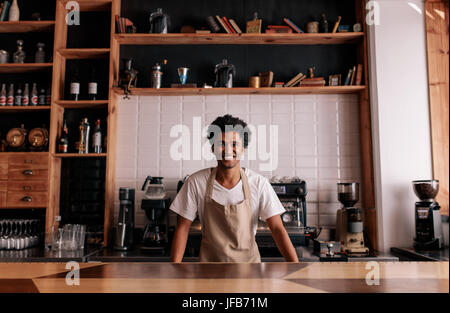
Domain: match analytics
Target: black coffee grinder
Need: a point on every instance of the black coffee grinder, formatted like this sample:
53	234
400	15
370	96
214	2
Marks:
125	224
155	238
428	217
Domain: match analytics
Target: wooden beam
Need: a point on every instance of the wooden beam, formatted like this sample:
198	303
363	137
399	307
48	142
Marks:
437	26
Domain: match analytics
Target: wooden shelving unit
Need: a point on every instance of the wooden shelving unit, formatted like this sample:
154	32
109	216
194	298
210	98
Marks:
24	67
102	53
77	155
82	104
19	109
231	91
27	26
239	39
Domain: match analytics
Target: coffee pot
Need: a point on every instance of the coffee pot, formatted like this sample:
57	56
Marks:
155	188
159	22
224	74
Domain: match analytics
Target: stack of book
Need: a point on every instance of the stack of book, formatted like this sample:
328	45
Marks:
228	25
313	82
278	29
354	76
124	25
4	10
294	81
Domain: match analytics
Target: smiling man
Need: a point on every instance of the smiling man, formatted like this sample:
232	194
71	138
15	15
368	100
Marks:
228	200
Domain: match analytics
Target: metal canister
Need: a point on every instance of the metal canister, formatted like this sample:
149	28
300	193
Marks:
156	76
313	27
254	82
83	146
4	56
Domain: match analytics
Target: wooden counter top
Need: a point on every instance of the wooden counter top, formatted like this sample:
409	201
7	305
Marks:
230	278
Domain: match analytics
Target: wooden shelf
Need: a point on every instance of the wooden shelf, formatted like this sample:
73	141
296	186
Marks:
24	67
77	155
216	91
15	109
239	39
83	104
100	53
92	5
26	26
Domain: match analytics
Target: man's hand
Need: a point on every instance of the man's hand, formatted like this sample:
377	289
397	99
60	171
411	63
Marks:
180	239
282	239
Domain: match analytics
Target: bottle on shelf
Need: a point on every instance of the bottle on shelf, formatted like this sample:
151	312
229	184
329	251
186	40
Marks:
34	95
26	95
10	96
3	95
18	96
63	144
20	55
83	144
92	86
48	95
97	138
40	53
75	86
42	95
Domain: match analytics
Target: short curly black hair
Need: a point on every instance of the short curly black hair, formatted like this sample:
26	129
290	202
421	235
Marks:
229	123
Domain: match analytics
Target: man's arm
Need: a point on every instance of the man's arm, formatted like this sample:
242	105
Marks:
180	239
282	239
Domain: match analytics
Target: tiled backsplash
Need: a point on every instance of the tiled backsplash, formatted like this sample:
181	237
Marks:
318	140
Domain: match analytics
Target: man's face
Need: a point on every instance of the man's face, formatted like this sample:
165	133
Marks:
229	149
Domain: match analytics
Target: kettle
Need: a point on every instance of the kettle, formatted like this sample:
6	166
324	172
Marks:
155	190
224	74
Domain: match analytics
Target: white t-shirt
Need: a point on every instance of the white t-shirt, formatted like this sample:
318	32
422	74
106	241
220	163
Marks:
190	199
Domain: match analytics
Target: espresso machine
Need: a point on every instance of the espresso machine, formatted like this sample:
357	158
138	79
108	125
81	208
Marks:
155	237
350	221
125	226
429	234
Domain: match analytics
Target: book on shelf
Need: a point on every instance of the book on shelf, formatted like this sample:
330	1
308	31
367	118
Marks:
293	26
221	23
295	80
4	12
124	25
313	82
278	29
233	31
235	25
279	84
352	80
359	73
349	77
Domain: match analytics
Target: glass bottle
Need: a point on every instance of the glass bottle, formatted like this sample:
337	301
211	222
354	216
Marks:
75	86
83	147
10	96
18	97
41	100
26	95
34	95
14	12
97	138
3	95
40	53
324	24
92	86
63	145
19	55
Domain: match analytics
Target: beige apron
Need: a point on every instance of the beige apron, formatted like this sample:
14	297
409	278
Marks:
227	231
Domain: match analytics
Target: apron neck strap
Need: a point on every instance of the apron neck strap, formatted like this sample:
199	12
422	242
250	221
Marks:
212	178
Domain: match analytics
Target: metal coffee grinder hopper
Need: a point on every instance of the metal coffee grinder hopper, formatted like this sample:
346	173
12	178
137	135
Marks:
350	221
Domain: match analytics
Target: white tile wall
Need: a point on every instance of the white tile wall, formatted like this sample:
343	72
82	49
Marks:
318	141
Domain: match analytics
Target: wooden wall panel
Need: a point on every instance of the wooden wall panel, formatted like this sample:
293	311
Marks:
437	26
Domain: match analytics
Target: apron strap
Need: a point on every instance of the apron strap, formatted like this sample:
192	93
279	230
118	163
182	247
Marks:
210	183
247	192
212	178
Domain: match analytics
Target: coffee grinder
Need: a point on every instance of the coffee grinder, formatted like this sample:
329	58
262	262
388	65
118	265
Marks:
125	225
350	221
429	234
155	238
